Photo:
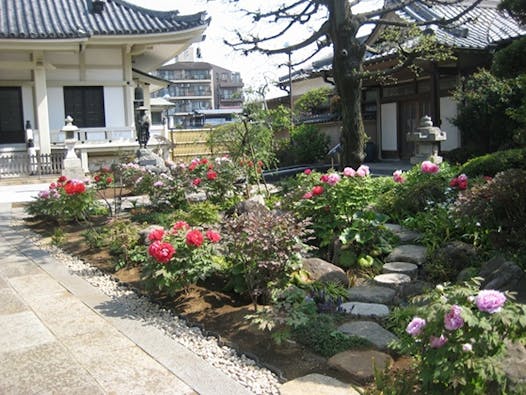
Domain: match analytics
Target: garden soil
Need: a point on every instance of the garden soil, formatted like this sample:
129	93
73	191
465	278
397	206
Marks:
206	306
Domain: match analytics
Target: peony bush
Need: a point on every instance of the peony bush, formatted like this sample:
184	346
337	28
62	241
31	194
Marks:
458	338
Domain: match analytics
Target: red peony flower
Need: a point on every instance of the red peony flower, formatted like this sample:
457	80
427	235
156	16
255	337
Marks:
307	171
181	225
211	175
194	238
96	178
196	181
213	236
324	178
52	185
74	187
317	190
161	252
109	180
156	234
62	179
192	166
203	161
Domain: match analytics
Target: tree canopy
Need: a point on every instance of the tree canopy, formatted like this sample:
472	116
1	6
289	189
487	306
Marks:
336	24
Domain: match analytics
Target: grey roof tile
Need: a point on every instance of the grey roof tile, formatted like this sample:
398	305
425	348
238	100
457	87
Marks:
70	19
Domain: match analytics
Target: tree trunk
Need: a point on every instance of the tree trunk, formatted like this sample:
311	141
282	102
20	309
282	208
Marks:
347	68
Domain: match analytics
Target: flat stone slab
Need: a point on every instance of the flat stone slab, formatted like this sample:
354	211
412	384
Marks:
371	294
408	253
405	235
360	309
317	384
360	365
393	280
370	331
401	267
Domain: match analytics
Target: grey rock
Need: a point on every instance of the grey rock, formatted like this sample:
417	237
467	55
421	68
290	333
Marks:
317	384
360	365
407	268
369	331
514	365
392	280
150	161
408	253
196	197
414	288
504	275
324	271
360	309
371	294
405	235
455	255
467	273
255	203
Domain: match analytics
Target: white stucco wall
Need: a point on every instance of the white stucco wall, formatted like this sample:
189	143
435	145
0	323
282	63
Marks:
448	110
55	101
389	129
114	107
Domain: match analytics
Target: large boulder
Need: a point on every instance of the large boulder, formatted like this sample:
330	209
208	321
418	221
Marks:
150	161
318	384
253	204
324	271
360	365
514	365
456	255
504	275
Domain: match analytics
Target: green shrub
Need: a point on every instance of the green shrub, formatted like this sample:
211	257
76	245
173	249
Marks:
491	164
419	190
322	336
309	144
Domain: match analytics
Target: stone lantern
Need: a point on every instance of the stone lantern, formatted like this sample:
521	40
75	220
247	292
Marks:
427	140
72	164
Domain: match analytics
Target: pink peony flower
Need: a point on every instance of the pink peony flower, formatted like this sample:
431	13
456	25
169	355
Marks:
429	167
416	326
308	195
211	175
453	319
349	172
158	184
467	347
490	301
307	171
363	171
194	238
43	194
181	225
397	176
156	234
161	252
213	236
196	181
333	179
317	190
437	342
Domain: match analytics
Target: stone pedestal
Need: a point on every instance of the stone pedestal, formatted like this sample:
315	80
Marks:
427	140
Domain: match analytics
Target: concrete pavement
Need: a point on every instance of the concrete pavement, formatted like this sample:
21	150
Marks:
59	334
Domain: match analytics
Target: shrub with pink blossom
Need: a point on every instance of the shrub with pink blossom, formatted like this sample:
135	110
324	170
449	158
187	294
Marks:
458	337
179	257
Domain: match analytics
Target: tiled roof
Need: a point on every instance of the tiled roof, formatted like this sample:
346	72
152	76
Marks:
479	28
71	19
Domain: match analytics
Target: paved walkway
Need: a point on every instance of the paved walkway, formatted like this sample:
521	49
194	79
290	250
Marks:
59	334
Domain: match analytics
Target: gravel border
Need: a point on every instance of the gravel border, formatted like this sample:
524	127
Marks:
239	367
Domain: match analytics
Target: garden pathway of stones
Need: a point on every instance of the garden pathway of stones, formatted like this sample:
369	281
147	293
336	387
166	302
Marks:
368	305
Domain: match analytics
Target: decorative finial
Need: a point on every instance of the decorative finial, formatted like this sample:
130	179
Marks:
426	121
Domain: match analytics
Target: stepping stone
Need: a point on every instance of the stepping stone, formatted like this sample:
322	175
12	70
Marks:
401	268
393	280
370	331
405	235
359	309
317	384
408	253
359	365
371	294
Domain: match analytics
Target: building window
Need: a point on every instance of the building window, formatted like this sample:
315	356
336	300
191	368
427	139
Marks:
11	118
85	104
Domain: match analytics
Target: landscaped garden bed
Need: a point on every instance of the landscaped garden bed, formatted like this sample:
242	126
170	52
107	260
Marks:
243	260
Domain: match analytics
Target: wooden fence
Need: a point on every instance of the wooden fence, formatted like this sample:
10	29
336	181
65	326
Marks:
22	164
191	143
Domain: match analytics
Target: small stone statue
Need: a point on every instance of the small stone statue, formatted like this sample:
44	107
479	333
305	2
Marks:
144	130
